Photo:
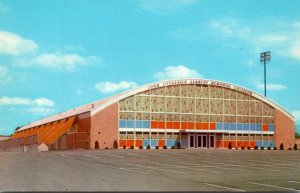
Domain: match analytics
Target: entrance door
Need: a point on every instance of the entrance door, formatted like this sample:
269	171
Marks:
202	141
211	141
192	141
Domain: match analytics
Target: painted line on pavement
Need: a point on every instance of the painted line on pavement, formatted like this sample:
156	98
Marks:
272	186
294	182
155	168
238	190
123	169
92	156
201	165
67	156
115	155
137	155
185	167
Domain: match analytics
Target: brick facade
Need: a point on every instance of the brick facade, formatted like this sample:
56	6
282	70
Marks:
284	130
104	127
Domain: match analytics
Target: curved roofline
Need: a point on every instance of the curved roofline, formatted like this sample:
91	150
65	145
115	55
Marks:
164	83
96	106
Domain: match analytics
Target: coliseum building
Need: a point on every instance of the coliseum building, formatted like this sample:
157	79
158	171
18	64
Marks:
197	113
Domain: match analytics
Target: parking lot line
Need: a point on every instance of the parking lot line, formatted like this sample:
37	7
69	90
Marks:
123	169
181	154
137	155
215	167
294	182
115	155
157	154
184	167
272	186
87	155
67	156
224	187
155	168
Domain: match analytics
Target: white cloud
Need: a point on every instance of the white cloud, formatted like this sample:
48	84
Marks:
79	92
271	86
110	87
4	75
250	63
43	102
225	29
296	114
176	72
164	6
26	101
57	60
13	44
294	50
40	110
272	39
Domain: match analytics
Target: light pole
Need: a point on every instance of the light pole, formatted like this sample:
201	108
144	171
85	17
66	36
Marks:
264	58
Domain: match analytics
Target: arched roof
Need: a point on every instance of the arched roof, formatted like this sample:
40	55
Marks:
95	107
190	82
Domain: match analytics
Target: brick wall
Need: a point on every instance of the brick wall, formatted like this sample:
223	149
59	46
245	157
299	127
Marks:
284	130
104	127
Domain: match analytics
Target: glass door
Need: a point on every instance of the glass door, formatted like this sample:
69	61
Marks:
191	140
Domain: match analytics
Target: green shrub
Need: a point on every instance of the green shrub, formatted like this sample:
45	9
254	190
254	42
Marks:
157	147
141	147
295	147
173	147
148	147
262	148
248	147
243	148
165	147
116	146
281	146
274	148
178	145
255	147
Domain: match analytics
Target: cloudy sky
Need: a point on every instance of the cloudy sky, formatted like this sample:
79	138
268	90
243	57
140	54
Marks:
59	54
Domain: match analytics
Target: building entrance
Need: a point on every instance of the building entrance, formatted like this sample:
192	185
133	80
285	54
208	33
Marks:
201	140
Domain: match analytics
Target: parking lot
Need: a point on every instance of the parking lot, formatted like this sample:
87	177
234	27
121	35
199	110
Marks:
151	170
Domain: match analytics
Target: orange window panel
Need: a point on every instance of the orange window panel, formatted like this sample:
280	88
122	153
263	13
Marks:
161	143
61	130
153	124
45	131
129	143
198	126
55	126
138	143
176	125
122	142
190	125
212	126
219	144
161	125
183	125
170	125
265	127
245	144
204	125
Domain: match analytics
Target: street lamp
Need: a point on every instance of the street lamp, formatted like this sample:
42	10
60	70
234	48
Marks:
264	58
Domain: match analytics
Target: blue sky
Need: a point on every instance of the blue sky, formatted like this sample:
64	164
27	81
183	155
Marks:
56	55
